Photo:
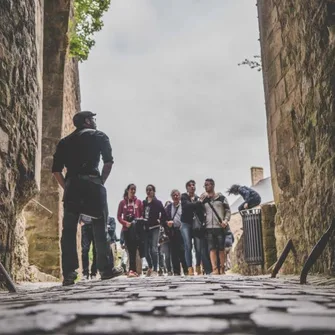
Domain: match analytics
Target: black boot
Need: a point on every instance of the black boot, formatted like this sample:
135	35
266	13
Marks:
70	278
109	274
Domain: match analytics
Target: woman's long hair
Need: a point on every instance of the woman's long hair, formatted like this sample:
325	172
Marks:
153	188
125	194
233	189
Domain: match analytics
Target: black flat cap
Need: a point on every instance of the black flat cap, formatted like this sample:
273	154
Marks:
79	118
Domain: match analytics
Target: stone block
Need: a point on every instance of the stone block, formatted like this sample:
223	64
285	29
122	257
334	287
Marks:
274	46
273	146
275	119
274	73
294	170
4	141
268	232
290	80
280	92
285	135
296	323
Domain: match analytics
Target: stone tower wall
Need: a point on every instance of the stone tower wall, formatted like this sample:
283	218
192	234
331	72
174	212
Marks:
298	59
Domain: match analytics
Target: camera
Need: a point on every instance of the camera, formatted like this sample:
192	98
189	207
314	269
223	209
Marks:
130	218
163	237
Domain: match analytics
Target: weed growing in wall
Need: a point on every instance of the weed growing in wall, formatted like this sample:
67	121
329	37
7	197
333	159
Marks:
87	20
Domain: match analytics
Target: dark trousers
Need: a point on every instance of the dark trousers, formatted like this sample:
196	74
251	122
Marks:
165	252
251	204
177	252
206	262
131	245
69	243
151	248
87	239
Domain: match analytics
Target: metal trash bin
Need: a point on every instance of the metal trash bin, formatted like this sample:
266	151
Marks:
253	239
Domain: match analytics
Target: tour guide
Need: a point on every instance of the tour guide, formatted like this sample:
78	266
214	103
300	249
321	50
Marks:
84	192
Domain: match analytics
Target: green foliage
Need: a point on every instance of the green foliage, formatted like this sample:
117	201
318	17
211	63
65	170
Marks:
253	64
87	20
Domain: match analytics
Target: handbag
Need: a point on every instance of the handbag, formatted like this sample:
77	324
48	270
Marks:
226	230
171	230
198	227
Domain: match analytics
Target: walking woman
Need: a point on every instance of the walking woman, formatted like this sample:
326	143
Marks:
130	208
154	213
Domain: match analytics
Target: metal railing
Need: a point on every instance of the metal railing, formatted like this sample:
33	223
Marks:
253	240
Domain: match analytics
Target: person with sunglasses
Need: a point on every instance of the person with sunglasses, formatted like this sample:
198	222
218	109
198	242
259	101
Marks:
192	213
217	224
155	216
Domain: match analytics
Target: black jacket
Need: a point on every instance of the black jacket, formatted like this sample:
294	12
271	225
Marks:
154	212
189	209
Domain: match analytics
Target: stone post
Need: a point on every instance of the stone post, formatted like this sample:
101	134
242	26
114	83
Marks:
268	231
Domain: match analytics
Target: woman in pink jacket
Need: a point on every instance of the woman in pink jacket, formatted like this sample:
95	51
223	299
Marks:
130	209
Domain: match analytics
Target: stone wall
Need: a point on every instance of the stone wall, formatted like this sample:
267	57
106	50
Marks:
20	116
61	99
298	58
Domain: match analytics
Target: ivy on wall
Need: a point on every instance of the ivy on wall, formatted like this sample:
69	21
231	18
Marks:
87	20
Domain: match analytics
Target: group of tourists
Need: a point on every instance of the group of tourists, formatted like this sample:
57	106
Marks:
149	229
171	231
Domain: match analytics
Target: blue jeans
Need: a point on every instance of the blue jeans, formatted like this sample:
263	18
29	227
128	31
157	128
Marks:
166	253
151	248
87	238
186	232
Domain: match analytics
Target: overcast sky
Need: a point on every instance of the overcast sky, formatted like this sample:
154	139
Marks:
164	81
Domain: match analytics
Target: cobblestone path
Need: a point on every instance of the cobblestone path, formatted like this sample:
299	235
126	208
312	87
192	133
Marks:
171	305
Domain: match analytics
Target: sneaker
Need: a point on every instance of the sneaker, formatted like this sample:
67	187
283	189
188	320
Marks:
154	274
70	278
170	274
93	277
132	274
149	272
115	272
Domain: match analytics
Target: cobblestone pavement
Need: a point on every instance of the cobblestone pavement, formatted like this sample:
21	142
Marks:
176	305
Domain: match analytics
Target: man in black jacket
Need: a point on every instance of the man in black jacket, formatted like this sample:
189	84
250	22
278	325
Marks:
84	192
193	215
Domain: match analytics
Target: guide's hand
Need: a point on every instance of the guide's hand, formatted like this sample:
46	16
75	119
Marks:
224	223
128	224
170	223
245	206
